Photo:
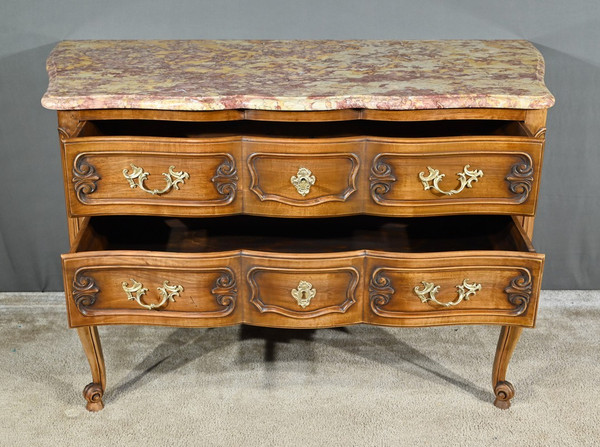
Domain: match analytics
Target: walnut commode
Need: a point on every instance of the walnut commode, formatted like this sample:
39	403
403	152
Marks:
300	184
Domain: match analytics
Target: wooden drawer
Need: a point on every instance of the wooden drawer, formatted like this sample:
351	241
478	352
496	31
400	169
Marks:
144	175
302	169
457	175
302	273
304	290
168	289
302	177
453	288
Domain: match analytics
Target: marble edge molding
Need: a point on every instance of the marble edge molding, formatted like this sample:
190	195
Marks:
542	99
298	103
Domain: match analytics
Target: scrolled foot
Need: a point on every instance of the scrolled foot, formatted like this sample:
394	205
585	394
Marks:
93	394
504	393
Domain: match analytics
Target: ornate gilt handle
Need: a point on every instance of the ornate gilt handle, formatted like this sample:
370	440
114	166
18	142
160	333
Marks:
303	180
465	291
166	292
466	179
173	179
304	293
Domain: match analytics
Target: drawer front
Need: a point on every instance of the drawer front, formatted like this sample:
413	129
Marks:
440	289
151	176
304	292
162	289
302	178
450	176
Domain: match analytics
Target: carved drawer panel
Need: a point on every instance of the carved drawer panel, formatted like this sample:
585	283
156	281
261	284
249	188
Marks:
302	177
151	288
466	175
160	176
453	288
302	273
305	291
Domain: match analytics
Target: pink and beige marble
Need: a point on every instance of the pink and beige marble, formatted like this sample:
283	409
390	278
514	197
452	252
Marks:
295	75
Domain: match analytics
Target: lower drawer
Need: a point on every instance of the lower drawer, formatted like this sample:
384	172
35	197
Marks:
152	288
306	291
302	273
453	288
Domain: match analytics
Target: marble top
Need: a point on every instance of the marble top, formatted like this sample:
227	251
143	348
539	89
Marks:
295	75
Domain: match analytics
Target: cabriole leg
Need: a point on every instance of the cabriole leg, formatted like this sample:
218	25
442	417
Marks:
504	390
93	350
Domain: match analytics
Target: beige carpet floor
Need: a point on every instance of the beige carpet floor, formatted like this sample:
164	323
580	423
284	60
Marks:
244	386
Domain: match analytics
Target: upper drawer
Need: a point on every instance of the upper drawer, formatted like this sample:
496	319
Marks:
160	176
459	175
302	169
303	178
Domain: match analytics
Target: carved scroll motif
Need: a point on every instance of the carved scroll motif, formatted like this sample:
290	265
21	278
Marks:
380	291
84	179
381	179
520	178
84	291
225	292
519	292
226	178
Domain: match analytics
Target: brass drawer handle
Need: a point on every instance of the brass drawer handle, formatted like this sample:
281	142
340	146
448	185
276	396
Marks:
166	292
303	180
304	293
173	179
465	291
466	179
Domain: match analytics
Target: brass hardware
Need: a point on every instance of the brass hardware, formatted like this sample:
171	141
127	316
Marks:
466	179
166	292
303	180
304	293
465	291
173	179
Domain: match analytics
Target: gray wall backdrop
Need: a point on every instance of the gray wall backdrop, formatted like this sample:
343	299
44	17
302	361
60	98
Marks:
567	32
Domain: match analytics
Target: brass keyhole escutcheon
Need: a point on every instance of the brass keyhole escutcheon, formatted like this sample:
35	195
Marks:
303	180
304	293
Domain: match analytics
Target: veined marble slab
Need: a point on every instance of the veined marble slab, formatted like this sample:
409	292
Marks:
295	75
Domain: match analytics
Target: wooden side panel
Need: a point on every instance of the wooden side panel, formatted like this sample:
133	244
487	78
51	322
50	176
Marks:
402	288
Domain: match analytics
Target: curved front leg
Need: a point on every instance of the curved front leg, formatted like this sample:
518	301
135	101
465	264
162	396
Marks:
504	390
93	350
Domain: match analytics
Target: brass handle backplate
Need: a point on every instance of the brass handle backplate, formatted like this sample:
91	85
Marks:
430	290
166	292
303	180
304	293
466	179
173	179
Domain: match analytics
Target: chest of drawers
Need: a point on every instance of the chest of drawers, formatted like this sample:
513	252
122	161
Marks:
300	184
